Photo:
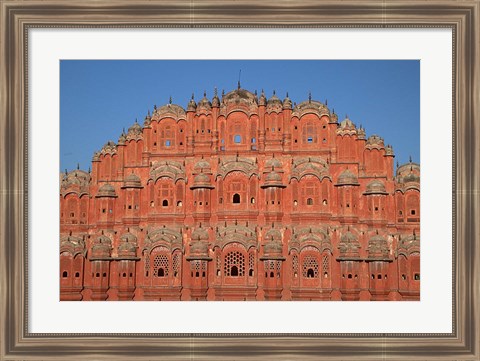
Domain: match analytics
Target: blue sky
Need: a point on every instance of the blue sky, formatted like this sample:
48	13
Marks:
98	98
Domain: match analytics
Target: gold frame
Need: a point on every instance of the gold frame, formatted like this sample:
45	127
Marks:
17	16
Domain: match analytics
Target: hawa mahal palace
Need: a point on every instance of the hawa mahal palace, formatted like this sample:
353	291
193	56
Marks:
241	198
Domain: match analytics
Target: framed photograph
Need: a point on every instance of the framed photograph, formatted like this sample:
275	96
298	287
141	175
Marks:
179	48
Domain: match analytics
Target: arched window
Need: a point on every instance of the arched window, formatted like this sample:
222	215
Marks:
165	192
65	274
309	133
310	266
236	198
234	264
309	201
160	265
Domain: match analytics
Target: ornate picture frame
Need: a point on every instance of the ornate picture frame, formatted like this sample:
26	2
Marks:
18	343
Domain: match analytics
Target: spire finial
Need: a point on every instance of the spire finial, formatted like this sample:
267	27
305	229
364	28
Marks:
309	96
287	94
215	91
410	158
204	93
326	101
78	165
239	74
273	91
66	172
193	96
170	100
223	92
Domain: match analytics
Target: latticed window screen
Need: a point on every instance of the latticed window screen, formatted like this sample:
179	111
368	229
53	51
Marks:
147	265
295	264
176	263
326	264
234	264
278	266
251	261
160	265
310	267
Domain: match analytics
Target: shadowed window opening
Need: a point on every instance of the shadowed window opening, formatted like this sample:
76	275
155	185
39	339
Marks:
65	274
165	203
310	273
236	198
234	271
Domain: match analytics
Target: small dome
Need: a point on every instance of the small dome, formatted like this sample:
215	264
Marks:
274	100
412	177
135	128
191	105
200	234
273	179
348	237
347	124
375	187
202	180
106	190
375	141
204	103
347	178
287	103
273	162
202	165
132	181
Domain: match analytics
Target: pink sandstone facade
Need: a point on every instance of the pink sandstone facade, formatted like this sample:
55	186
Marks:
241	198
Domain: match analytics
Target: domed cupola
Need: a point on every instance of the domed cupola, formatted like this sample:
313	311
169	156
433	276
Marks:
347	178
349	245
273	179
128	245
204	103
135	132
274	104
378	248
102	247
132	181
192	106
375	141
106	190
273	245
287	103
199	245
375	187
273	163
346	126
202	180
